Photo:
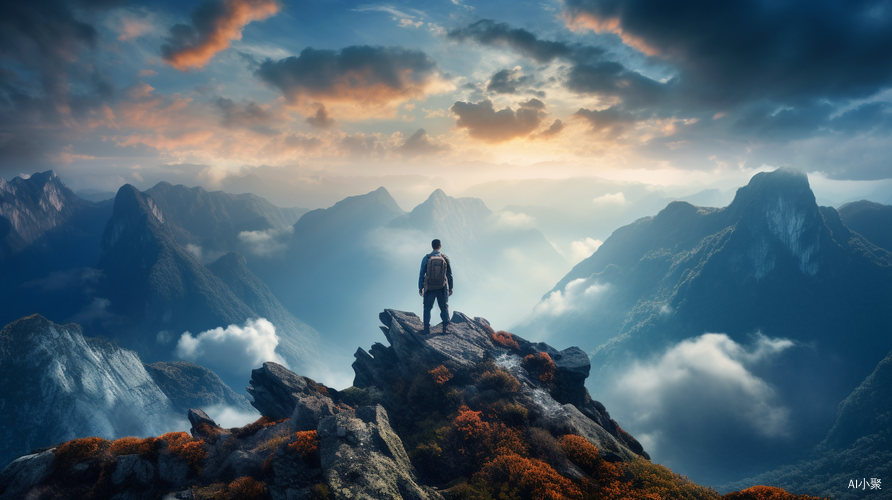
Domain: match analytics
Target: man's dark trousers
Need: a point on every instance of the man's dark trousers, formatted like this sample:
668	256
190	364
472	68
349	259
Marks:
442	296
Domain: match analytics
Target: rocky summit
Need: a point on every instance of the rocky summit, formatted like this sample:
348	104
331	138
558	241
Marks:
464	413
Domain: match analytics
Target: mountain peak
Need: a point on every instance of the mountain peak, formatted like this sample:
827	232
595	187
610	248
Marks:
784	182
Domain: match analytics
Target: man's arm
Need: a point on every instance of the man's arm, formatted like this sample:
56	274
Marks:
448	271
421	273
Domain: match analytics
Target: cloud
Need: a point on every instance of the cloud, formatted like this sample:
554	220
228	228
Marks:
511	220
96	311
556	127
743	50
232	351
610	122
229	417
486	124
508	81
266	242
321	118
610	199
700	389
420	144
488	32
372	77
215	24
583	249
577	295
194	250
612	79
249	115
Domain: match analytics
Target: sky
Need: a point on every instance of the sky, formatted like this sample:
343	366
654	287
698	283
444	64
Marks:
222	93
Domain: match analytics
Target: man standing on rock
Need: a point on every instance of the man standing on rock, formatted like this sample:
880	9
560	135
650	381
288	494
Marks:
435	282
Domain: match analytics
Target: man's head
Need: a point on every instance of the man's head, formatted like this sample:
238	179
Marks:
435	244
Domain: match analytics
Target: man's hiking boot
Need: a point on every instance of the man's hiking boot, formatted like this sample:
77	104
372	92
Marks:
427	330
445	326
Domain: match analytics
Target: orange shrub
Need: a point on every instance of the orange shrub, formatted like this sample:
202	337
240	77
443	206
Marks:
78	450
513	476
306	443
606	477
246	488
499	381
252	428
321	389
540	365
581	452
208	431
765	493
480	440
192	451
651	480
505	340
441	375
133	446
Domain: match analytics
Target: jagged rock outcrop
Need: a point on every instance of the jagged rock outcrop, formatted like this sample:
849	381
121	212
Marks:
467	342
316	442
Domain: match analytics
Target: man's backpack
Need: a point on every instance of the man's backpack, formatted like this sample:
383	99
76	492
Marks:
435	275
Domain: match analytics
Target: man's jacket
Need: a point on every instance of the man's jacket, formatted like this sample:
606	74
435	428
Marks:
424	269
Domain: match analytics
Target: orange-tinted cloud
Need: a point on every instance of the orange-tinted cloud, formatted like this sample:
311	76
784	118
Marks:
214	25
579	20
486	124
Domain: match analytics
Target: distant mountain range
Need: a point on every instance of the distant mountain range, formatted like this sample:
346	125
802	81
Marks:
56	385
345	262
773	264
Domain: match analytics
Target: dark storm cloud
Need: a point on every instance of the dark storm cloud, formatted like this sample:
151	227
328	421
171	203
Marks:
488	32
356	73
321	118
612	79
248	115
45	37
738	50
866	117
420	144
507	81
792	123
610	122
42	80
486	124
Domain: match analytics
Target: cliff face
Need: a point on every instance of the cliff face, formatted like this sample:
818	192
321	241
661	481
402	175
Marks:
56	385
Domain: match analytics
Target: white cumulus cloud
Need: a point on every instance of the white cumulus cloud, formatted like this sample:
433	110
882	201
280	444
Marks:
510	219
265	242
578	294
607	200
234	350
701	389
583	249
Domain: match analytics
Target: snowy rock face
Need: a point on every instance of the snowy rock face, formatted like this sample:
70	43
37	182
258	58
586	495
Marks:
58	385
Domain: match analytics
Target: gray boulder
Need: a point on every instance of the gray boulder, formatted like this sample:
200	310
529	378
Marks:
276	390
24	473
363	458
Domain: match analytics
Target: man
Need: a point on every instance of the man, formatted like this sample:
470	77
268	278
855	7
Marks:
435	282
